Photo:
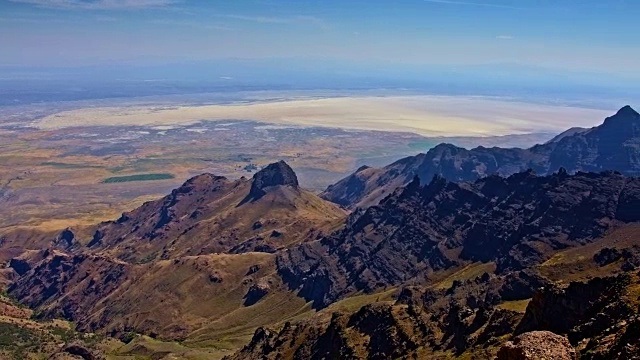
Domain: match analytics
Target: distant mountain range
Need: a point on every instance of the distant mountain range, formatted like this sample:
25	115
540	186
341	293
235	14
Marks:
614	145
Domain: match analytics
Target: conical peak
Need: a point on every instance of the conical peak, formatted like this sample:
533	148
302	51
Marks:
627	111
276	174
279	173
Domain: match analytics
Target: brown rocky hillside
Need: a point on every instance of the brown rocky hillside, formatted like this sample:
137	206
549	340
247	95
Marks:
211	214
442	270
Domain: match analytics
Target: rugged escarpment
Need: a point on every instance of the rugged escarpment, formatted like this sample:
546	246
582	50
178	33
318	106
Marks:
469	319
106	295
422	324
614	145
201	251
211	214
433	271
516	221
69	286
600	317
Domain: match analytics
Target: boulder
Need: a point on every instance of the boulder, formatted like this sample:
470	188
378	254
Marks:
78	350
537	345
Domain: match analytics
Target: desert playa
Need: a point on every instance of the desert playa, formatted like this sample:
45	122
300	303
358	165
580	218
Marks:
424	115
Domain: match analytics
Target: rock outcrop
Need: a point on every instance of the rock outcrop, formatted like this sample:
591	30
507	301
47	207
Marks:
537	345
564	310
66	239
599	317
256	292
80	349
440	269
276	174
468	318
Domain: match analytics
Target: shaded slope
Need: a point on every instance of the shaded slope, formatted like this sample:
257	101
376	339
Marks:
469	319
517	221
169	299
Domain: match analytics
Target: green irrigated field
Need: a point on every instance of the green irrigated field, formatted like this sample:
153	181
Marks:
138	177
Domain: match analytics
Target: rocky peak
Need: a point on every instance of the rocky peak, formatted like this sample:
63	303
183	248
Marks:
627	111
446	148
614	145
624	117
409	228
200	183
276	174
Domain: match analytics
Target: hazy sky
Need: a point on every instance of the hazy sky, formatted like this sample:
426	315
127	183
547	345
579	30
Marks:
592	35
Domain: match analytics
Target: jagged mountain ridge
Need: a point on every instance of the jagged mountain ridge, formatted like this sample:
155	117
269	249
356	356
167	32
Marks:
205	251
467	321
614	145
416	235
516	221
212	214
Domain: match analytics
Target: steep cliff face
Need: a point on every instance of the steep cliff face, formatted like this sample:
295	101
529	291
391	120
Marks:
516	221
470	319
276	174
420	324
614	145
600	317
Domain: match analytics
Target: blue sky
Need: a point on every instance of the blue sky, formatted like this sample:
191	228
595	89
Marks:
573	35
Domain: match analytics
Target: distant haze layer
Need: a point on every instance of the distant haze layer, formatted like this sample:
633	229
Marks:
424	115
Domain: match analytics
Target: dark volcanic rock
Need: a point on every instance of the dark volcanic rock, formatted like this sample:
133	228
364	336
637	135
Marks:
20	266
597	316
253	269
350	189
607	256
80	350
51	277
66	239
516	221
464	319
375	332
614	145
211	214
276	174
419	322
622	344
25	262
256	292
581	310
